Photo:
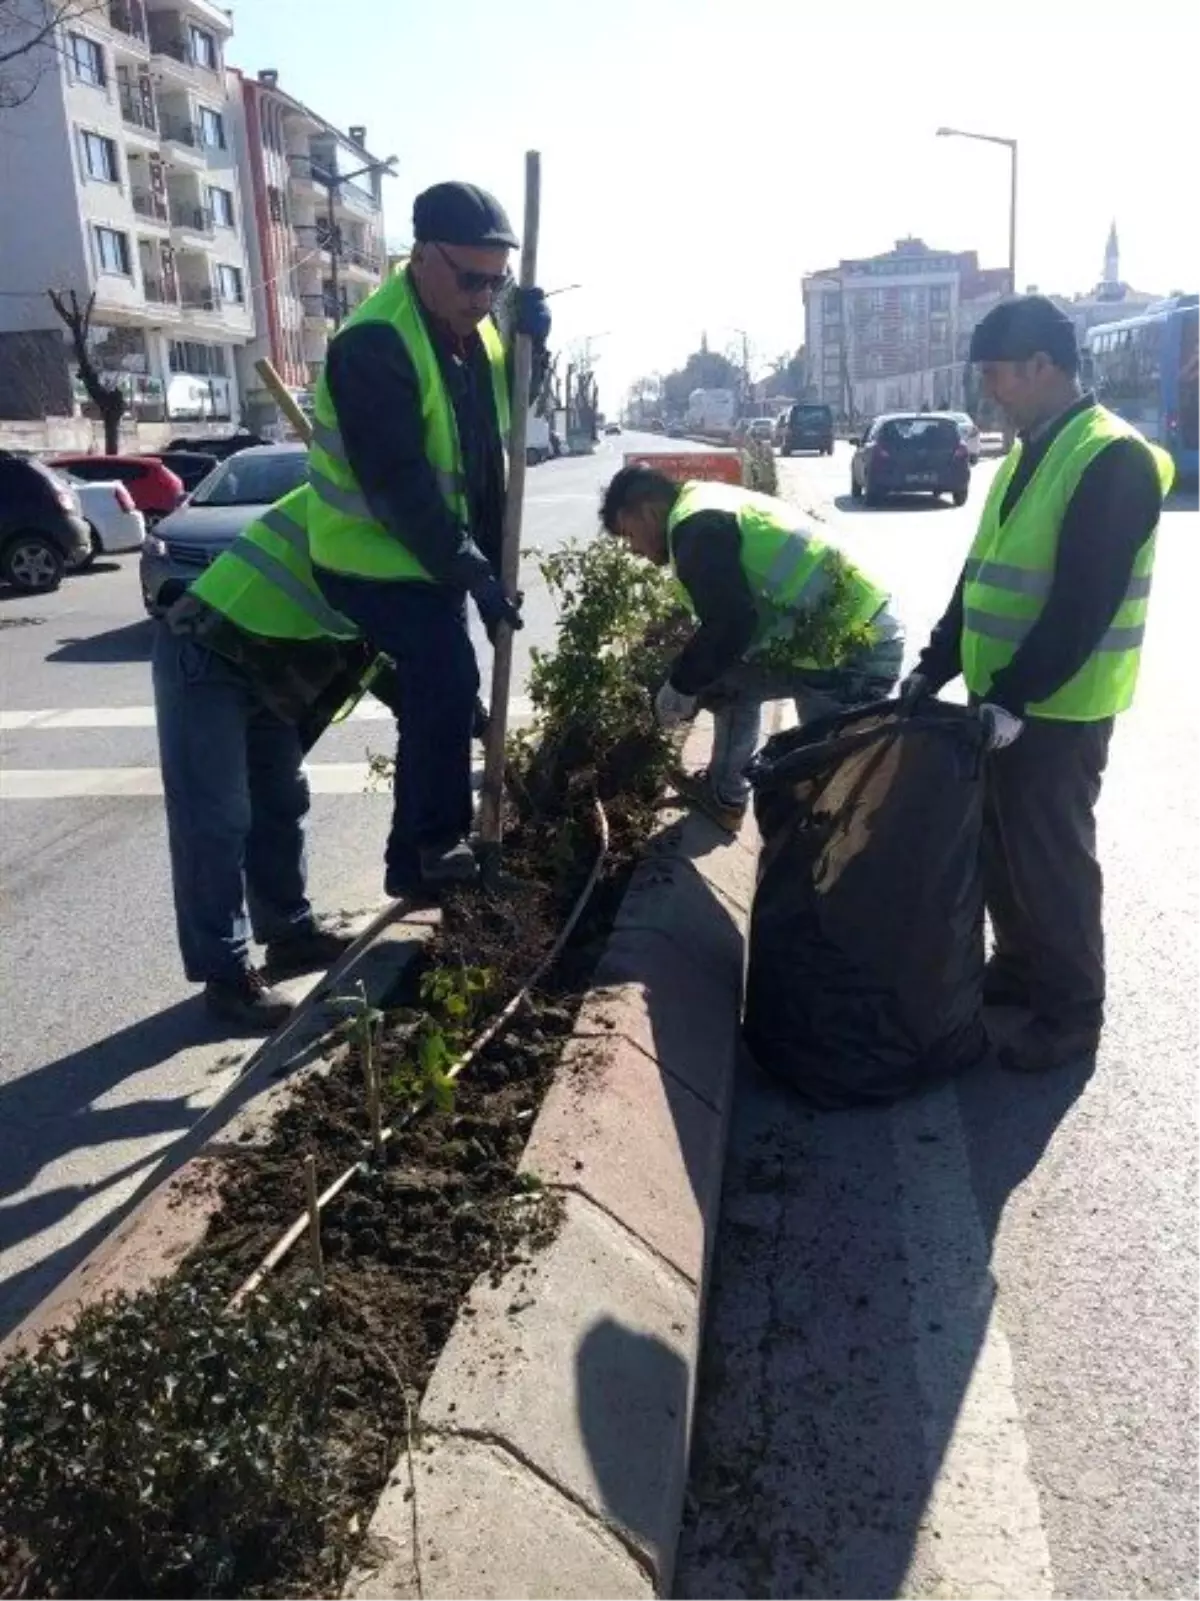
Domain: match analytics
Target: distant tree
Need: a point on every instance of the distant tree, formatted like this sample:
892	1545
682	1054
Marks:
29	40
789	376
704	369
107	398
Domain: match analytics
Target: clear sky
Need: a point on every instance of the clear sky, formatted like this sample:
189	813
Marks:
698	157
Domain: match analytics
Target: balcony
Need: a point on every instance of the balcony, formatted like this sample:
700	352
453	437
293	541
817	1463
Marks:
368	260
150	207
180	51
198	299
127	19
136	113
192	219
158	293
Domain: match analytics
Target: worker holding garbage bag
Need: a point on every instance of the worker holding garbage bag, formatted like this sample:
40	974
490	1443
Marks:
782	615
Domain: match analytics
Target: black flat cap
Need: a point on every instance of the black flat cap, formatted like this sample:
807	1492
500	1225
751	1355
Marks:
1017	329
461	214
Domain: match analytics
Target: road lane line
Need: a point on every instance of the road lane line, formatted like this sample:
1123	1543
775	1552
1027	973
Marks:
96	717
108	783
981	1534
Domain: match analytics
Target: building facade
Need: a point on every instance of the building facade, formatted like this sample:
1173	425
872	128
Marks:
121	165
318	247
871	322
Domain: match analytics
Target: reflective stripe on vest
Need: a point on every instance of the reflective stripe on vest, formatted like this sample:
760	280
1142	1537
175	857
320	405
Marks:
271	592
344	535
1010	573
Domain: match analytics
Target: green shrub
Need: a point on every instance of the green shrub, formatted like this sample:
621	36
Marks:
759	471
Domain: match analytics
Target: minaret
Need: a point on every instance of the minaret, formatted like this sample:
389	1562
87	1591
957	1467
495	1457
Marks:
1112	271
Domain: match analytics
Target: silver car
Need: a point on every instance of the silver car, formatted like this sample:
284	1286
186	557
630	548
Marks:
212	517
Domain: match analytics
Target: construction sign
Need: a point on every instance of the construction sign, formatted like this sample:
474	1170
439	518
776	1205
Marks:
719	466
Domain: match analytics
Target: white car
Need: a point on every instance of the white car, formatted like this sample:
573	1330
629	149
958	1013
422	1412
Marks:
761	428
971	437
114	520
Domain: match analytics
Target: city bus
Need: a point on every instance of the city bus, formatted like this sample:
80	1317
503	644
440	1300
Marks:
1145	370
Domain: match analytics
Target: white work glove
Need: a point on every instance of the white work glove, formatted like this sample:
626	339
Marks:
915	687
1000	727
671	708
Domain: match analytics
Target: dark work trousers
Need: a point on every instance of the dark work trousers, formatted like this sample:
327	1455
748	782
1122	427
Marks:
1042	879
423	627
236	799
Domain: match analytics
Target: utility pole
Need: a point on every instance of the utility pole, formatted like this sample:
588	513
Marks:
331	182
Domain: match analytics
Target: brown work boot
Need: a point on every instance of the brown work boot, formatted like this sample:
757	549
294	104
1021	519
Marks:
247	1001
1044	1046
697	790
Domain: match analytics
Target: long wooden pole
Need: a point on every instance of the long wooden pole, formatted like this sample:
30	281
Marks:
510	554
285	400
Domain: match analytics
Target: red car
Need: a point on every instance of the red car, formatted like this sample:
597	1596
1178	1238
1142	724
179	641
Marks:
154	489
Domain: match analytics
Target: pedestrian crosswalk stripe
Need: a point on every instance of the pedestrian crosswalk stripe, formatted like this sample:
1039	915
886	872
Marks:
368	710
108	783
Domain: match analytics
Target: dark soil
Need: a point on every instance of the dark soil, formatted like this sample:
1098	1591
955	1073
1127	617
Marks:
403	1243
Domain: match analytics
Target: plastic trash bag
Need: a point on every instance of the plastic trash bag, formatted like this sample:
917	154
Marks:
866	939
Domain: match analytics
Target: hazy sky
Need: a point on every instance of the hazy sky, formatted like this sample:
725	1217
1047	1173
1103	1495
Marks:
698	157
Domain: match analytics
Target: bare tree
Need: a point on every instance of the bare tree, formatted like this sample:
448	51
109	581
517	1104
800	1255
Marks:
107	398
29	39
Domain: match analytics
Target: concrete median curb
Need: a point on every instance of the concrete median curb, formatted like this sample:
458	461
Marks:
550	1455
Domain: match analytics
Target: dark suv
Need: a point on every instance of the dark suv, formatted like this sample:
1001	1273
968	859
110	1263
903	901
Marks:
41	530
910	452
807	427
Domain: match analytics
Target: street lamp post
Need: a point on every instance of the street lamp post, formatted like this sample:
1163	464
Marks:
1011	145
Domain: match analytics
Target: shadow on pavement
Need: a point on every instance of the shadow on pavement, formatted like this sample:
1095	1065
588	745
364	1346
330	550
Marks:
828	1395
894	503
132	643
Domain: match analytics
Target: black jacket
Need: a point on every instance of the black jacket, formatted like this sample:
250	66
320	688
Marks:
1114	510
373	385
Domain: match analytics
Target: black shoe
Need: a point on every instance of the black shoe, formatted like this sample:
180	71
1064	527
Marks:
310	952
247	1001
1044	1047
1002	988
442	865
697	790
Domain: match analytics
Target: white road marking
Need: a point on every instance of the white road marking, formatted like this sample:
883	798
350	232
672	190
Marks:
368	710
105	783
981	1534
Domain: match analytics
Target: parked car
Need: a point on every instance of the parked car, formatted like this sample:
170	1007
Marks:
808	427
114	522
238	491
971	436
760	428
191	467
42	528
222	446
612	427
910	452
154	488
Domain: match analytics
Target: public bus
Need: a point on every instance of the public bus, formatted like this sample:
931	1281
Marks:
1145	370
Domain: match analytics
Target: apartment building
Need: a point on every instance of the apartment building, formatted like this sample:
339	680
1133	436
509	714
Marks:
871	321
120	179
318	248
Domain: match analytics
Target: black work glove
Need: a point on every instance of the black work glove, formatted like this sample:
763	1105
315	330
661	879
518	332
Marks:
533	315
494	607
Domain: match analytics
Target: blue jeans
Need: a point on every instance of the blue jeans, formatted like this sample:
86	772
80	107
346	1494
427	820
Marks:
423	628
740	697
236	799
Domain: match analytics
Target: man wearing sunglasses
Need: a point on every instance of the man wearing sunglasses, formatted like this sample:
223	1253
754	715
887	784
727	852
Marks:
407	471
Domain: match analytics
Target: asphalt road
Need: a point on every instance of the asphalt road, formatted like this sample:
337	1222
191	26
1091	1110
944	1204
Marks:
106	1056
951	1345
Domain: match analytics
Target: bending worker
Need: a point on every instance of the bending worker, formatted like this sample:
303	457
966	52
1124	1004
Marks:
751	577
1046	627
249	666
407	469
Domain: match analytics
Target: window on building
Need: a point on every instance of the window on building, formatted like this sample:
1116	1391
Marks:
939	297
100	157
212	129
229	284
87	60
272	130
203	47
112	251
220	203
200	360
832	308
276	204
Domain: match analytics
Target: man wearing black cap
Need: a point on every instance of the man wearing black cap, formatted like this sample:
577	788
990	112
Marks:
1046	627
407	471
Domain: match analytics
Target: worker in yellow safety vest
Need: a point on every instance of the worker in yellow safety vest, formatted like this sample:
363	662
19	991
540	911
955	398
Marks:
407	470
750	572
1046	627
249	665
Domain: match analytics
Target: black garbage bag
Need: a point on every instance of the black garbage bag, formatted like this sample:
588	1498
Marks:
866	940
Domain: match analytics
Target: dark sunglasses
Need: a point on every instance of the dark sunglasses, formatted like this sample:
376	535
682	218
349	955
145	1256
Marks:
474	283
